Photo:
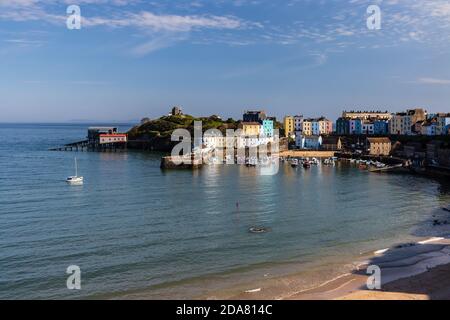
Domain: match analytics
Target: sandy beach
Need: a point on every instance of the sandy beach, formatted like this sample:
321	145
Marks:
412	271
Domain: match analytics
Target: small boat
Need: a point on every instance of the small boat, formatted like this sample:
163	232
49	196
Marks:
306	164
294	163
380	165
75	180
329	162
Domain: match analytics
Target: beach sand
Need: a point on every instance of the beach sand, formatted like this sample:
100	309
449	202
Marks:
412	271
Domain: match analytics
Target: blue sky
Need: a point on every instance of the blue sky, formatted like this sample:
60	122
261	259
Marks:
136	58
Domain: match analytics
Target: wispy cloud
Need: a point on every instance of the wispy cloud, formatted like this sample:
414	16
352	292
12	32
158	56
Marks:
433	81
158	43
342	24
173	23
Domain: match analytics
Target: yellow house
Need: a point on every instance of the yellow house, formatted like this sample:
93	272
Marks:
251	128
379	146
289	126
307	128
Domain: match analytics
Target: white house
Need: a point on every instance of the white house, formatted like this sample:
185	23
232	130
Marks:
308	142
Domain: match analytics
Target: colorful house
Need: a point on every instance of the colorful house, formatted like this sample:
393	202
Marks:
343	126
308	142
381	127
289	127
379	146
250	129
367	127
355	126
267	128
430	127
316	127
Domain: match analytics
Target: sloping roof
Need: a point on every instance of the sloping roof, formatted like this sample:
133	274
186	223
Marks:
250	123
379	140
330	140
312	137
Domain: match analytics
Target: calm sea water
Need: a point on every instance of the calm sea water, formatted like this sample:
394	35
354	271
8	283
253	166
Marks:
134	229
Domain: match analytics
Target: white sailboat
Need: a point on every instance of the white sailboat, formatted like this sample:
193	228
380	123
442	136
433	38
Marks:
75	179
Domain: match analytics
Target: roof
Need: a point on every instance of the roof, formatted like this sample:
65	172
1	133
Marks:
254	112
312	137
330	140
117	135
101	128
316	119
250	124
379	140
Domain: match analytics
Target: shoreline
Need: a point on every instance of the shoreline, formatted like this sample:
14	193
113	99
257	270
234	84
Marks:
411	272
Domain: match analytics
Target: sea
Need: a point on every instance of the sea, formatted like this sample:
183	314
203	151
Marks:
136	231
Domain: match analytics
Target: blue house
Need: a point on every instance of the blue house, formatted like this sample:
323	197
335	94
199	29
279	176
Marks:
355	126
343	126
381	127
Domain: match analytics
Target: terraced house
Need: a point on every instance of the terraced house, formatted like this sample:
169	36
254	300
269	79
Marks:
316	127
403	123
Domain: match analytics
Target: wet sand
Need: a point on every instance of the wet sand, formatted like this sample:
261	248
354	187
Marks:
415	271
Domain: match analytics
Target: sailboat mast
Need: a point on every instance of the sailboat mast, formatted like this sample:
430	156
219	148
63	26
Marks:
76	168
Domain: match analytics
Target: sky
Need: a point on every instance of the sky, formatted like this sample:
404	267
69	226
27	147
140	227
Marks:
135	58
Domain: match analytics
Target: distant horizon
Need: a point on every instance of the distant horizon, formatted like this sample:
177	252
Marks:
239	117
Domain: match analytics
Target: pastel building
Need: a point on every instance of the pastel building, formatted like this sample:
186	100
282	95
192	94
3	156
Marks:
250	129
402	123
289	127
355	126
252	135
379	146
307	127
267	128
316	127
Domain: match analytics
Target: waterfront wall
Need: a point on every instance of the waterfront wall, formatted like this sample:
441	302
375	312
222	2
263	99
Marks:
169	163
307	154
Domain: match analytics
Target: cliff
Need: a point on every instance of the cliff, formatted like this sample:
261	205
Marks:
155	134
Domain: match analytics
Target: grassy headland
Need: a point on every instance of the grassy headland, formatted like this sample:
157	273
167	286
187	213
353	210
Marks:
155	134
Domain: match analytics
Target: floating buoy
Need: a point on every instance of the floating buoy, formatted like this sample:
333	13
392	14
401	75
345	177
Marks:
258	230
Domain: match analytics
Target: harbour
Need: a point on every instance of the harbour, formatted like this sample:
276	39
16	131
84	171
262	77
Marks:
138	231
